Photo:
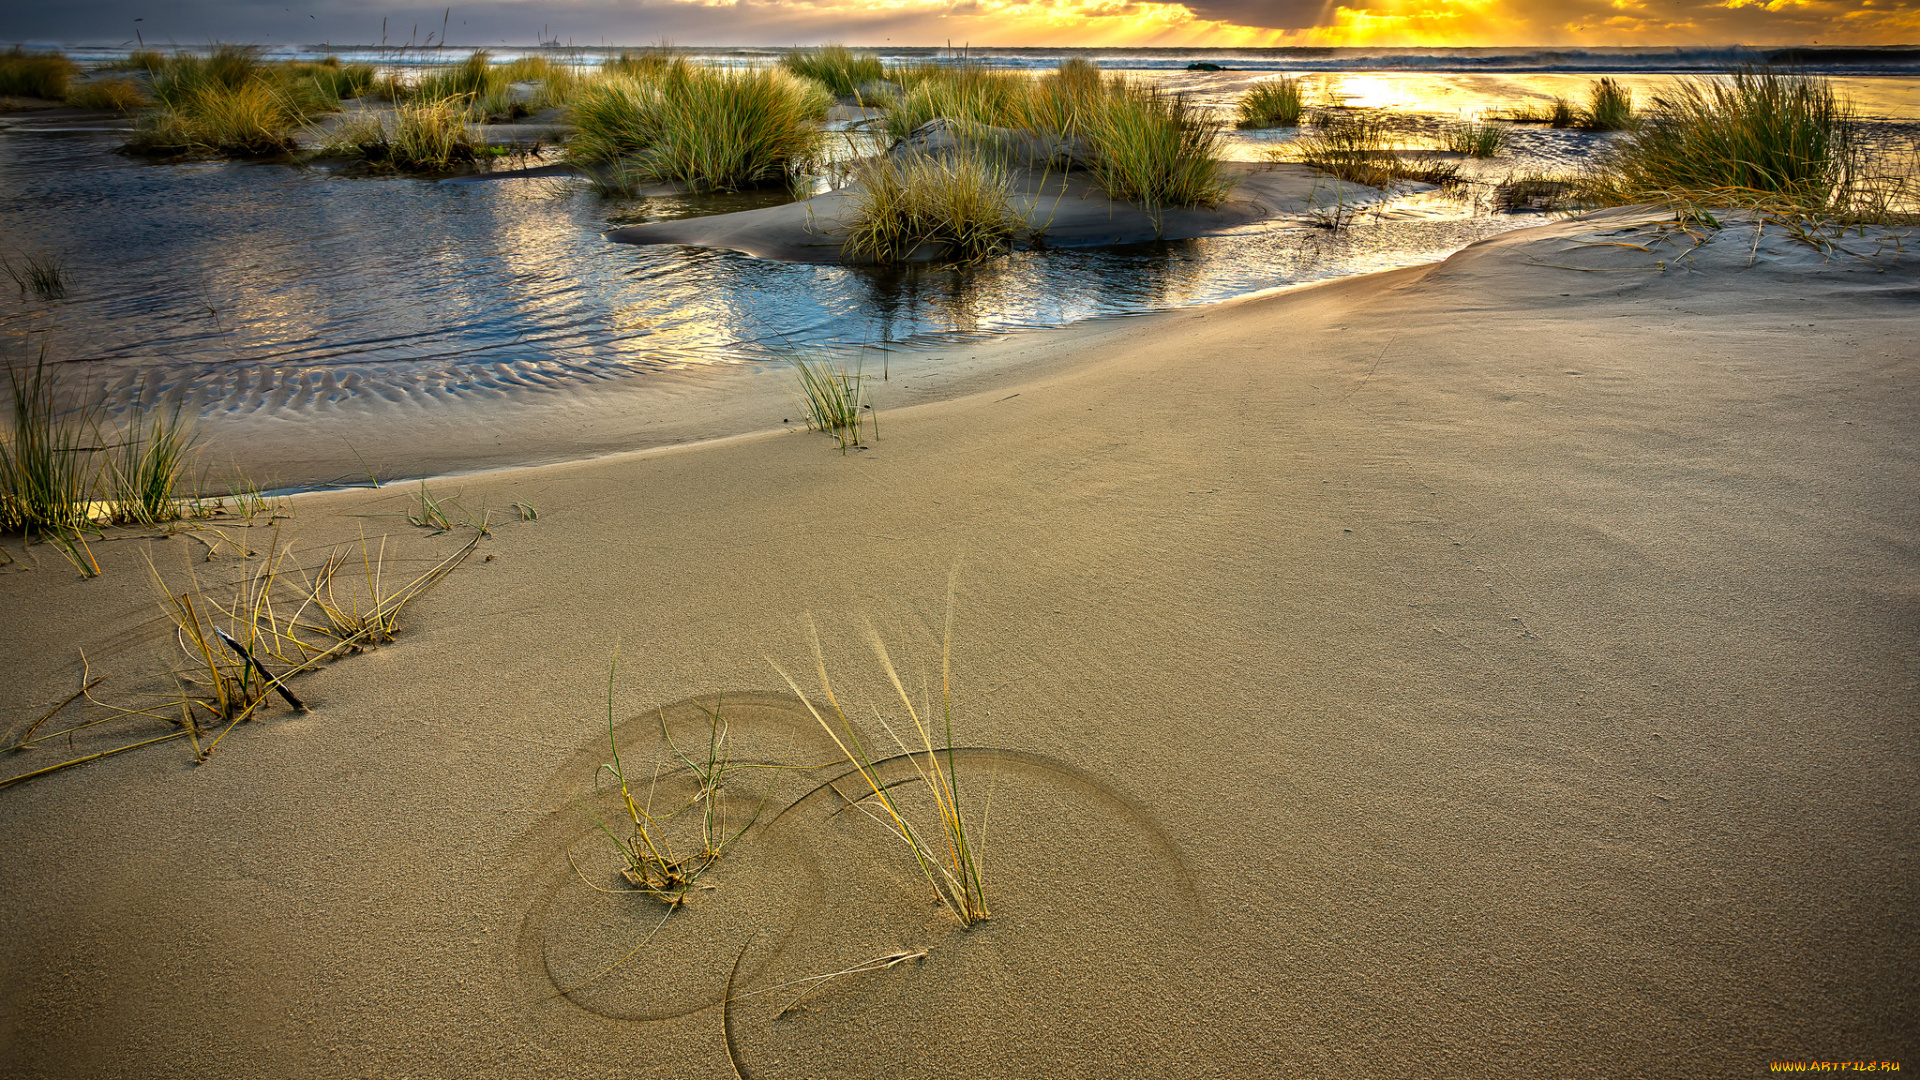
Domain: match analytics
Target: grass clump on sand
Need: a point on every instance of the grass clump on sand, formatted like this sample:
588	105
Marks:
948	853
1756	139
916	206
1557	113
1355	145
706	128
1155	149
109	95
276	615
841	70
964	95
652	865
230	102
423	137
1476	139
832	399
1272	103
1609	107
47	477
63	472
35	74
1137	142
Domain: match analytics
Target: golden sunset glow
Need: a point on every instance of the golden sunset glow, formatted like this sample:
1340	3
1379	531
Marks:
1273	23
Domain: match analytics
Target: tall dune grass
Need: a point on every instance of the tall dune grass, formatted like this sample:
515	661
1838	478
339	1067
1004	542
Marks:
1155	149
710	129
841	70
47	478
950	206
1754	137
35	74
61	470
966	95
1478	139
119	94
420	137
1142	145
1272	103
230	101
1609	107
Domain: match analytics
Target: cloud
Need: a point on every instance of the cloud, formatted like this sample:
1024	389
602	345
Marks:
981	22
1266	14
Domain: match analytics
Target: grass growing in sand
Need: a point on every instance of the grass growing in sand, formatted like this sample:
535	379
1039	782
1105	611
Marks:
109	95
1272	103
1139	143
47	477
951	206
64	473
422	137
1782	147
949	852
238	653
706	128
1155	149
1476	139
840	69
1755	136
35	74
832	399
145	470
1609	107
651	864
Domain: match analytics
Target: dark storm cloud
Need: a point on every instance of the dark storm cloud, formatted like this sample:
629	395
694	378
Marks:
1268	14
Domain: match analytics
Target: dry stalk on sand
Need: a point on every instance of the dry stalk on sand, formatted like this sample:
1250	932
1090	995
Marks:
240	652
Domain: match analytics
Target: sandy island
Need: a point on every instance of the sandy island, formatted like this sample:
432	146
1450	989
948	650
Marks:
1505	667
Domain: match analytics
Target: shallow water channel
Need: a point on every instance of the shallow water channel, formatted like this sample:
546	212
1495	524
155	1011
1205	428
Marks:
249	286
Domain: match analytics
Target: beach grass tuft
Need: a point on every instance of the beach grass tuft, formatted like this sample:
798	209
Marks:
119	94
144	473
47	477
1609	107
1778	144
966	96
705	128
1155	149
1476	139
1272	103
424	136
951	206
832	398
35	74
230	102
1757	130
948	853
651	864
840	69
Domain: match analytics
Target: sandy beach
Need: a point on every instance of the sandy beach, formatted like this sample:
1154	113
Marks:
1503	667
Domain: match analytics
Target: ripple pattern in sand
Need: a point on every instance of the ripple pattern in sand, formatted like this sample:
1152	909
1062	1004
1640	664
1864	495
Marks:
1079	875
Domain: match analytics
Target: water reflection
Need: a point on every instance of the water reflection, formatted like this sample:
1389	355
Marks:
268	286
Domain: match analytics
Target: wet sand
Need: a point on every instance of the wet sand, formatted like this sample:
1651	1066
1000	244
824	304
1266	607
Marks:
1484	669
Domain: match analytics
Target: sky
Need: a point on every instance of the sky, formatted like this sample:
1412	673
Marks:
1004	23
